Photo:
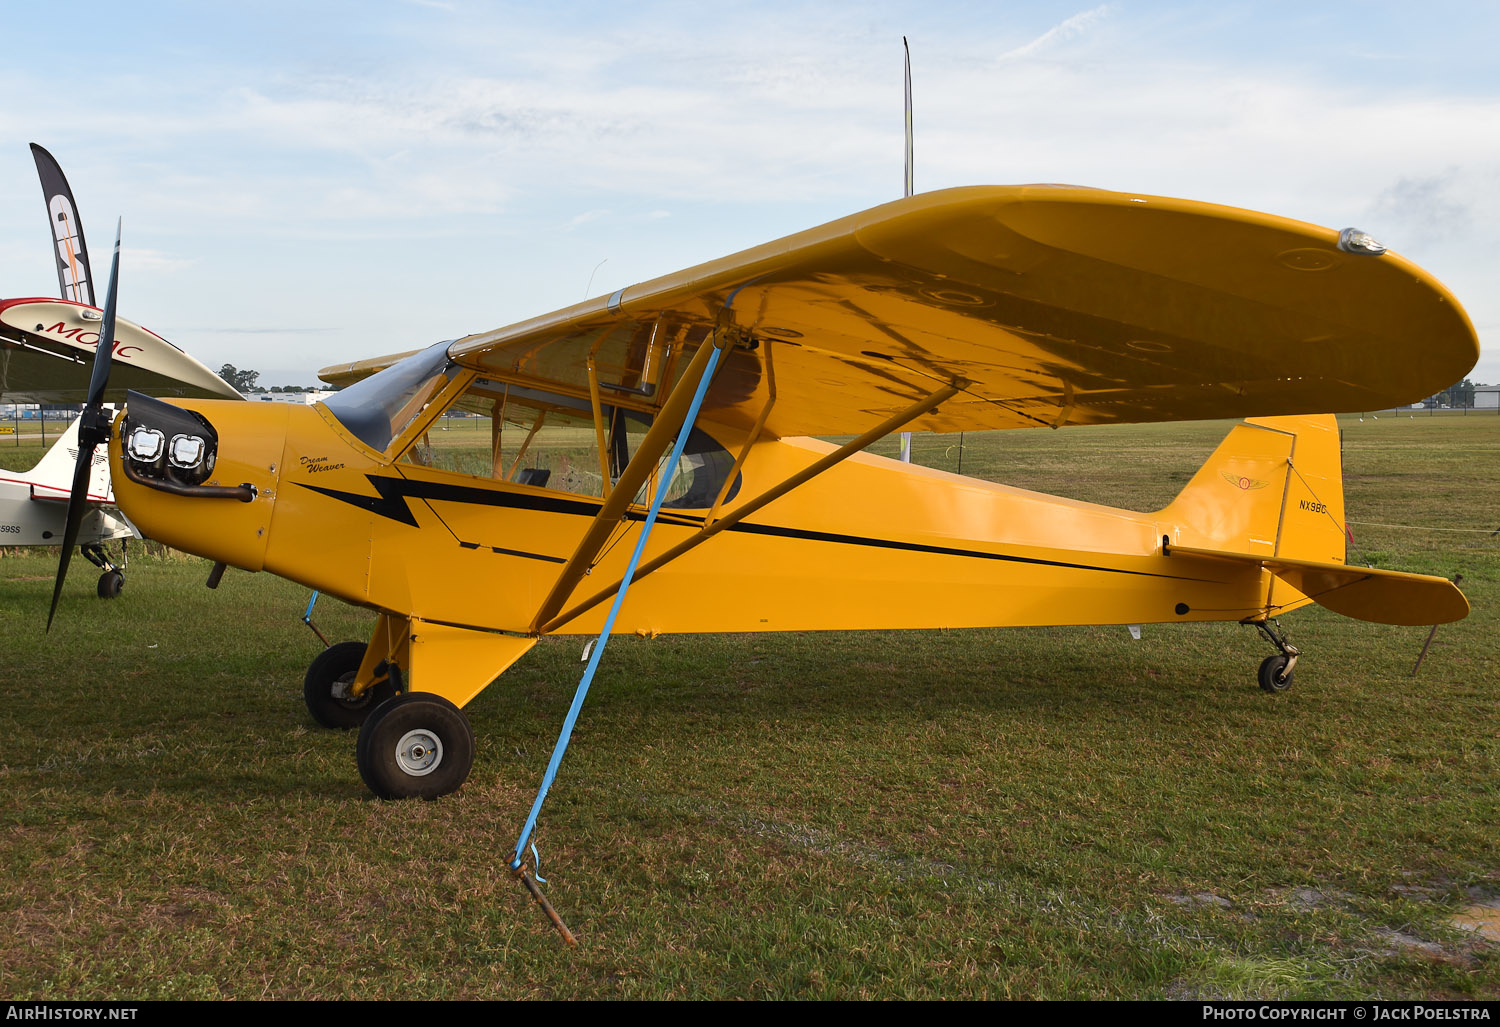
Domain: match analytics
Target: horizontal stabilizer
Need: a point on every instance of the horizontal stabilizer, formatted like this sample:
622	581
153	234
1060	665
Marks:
1364	593
48	494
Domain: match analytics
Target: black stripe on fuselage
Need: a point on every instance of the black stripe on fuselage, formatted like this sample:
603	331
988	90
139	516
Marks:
394	492
917	547
512	552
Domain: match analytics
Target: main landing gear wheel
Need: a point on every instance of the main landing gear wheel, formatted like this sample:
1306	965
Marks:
415	746
1274	675
110	584
326	687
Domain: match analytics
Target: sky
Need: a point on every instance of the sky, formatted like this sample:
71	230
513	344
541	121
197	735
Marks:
303	184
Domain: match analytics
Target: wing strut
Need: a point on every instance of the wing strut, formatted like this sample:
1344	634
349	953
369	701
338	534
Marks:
739	513
704	362
622	496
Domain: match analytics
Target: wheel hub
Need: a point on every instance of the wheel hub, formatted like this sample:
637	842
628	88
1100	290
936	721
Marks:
419	752
340	691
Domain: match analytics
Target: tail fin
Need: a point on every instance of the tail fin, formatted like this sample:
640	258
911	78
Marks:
52	477
1274	487
1272	496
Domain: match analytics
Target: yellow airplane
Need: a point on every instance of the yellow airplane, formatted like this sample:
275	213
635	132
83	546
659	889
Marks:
662	435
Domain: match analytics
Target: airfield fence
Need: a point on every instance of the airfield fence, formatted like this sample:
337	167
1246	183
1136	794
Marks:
33	422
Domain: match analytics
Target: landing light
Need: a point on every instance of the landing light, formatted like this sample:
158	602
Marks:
187	450
146	445
1352	240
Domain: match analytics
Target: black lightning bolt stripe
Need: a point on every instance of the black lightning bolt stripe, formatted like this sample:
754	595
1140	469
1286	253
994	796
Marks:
393	493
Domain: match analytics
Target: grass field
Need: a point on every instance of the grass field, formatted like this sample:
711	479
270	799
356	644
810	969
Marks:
1036	813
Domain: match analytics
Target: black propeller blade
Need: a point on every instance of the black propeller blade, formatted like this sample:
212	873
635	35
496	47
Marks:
93	428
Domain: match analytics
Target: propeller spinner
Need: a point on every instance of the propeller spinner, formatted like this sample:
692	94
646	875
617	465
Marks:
93	428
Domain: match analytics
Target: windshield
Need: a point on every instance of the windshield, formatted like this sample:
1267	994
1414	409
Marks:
377	409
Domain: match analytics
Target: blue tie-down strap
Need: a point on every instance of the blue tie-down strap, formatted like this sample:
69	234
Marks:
609	622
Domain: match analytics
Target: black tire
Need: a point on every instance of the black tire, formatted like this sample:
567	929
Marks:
1274	677
110	584
415	746
335	667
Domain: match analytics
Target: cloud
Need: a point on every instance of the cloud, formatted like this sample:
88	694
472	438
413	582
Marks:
1069	29
1428	208
260	331
150	261
582	219
494	152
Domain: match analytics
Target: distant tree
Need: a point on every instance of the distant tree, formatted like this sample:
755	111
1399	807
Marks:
243	381
1460	394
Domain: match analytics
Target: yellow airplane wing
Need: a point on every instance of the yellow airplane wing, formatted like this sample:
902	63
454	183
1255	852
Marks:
1054	304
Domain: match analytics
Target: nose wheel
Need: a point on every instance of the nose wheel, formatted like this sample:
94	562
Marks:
415	746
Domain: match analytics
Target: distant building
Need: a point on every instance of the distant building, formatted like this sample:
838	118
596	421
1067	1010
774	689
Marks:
1487	397
305	398
33	411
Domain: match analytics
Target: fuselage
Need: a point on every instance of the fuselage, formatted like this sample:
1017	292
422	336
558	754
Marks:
869	543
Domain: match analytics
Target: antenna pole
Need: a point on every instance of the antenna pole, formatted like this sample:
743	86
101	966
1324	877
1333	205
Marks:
910	188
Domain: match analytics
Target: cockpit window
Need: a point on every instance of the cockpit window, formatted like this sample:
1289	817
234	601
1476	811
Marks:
695	482
509	432
377	409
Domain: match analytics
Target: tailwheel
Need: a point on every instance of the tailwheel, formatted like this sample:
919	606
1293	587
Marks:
415	746
110	584
1275	673
325	689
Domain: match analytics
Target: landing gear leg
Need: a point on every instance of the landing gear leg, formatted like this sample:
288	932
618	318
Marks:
113	578
1275	673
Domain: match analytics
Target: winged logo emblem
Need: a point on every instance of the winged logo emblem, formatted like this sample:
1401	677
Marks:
1243	483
